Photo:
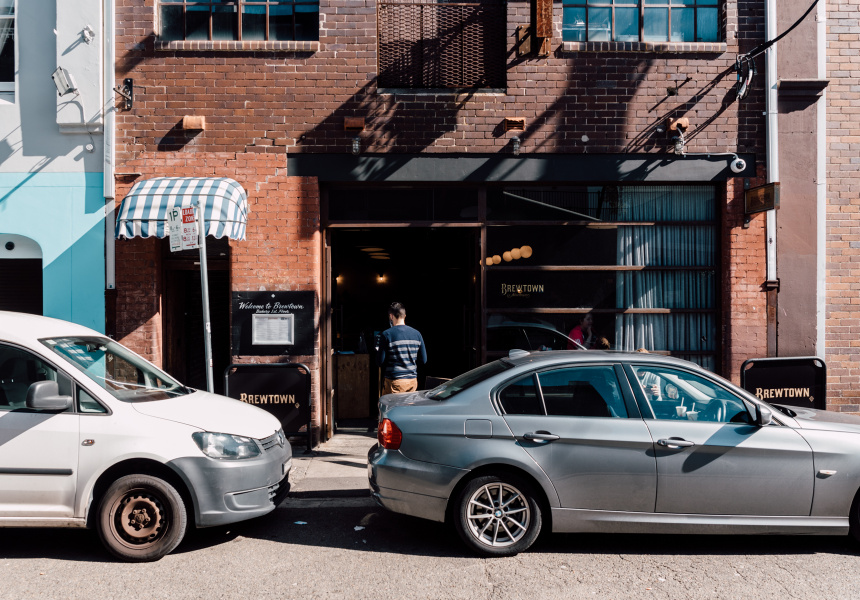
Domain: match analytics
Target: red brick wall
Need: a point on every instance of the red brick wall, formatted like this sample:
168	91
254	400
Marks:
843	207
266	101
281	252
744	273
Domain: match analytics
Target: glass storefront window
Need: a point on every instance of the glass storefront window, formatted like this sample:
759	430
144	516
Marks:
647	269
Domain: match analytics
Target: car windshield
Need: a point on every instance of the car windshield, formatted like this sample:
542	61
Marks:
121	372
467	380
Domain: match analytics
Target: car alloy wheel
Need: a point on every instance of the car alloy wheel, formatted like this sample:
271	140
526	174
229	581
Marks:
498	516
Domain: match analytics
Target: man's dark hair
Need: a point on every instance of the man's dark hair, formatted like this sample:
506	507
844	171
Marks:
397	310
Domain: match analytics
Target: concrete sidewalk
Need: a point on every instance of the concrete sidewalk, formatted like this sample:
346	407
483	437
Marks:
335	469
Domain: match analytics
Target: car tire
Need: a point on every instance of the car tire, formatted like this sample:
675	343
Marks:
498	515
141	518
854	519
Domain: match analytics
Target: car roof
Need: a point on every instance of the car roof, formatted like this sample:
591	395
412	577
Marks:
24	329
551	357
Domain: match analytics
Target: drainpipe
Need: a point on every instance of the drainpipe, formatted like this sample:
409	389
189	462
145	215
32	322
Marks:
821	186
772	164
109	110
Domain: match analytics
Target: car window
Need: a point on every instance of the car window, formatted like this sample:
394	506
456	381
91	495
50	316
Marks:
88	404
121	372
546	339
466	380
588	391
521	397
679	395
502	339
18	370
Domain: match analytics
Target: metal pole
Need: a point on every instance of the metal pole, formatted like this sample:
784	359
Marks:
204	288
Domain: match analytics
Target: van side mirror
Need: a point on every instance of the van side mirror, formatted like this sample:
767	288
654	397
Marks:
45	395
763	415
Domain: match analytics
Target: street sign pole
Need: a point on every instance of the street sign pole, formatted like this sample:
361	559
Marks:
204	287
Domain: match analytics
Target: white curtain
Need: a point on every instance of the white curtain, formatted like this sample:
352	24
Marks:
671	245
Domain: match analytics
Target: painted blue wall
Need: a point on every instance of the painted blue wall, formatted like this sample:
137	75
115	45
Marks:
64	213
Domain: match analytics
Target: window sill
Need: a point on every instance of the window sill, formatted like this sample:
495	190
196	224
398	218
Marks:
235	46
663	47
440	91
7	98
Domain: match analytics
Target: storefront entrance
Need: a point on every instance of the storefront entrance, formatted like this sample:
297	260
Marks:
433	272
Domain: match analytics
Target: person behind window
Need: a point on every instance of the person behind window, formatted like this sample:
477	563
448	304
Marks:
582	334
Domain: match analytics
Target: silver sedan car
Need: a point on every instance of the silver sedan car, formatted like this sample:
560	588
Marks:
608	442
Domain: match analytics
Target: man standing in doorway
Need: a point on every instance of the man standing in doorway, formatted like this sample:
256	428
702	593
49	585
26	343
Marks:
401	350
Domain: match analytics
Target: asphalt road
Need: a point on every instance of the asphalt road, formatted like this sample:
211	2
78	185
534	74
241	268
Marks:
396	557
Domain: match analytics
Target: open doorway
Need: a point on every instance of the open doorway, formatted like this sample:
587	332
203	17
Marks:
433	272
184	353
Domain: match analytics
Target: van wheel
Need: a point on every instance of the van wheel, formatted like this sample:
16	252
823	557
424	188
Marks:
498	515
141	518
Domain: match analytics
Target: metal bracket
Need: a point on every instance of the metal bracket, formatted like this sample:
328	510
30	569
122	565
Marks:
127	92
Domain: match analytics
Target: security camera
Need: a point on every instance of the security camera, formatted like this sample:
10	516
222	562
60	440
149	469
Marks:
738	165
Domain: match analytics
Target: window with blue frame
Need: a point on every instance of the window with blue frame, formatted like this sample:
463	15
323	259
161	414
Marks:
254	20
7	46
641	21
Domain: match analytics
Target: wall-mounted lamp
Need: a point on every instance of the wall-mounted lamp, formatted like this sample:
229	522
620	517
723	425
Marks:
127	92
64	82
679	143
356	145
515	145
380	278
680	126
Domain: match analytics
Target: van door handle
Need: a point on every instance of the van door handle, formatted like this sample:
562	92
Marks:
676	443
543	436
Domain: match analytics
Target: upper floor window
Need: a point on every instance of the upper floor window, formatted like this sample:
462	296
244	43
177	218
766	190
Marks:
641	21
442	44
7	46
224	20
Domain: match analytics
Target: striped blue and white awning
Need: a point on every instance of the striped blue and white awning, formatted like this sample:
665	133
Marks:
143	211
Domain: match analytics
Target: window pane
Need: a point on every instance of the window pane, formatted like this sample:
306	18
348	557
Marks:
281	23
197	23
19	370
7	7
254	23
307	22
682	24
627	24
678	395
171	23
88	404
224	23
582	392
599	24
7	50
520	398
656	24
708	28
573	24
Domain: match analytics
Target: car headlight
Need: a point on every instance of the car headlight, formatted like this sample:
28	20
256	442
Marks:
224	445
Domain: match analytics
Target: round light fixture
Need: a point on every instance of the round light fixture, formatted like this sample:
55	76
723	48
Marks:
526	251
507	257
496	259
516	254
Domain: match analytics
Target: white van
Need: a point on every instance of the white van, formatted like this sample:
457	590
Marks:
93	435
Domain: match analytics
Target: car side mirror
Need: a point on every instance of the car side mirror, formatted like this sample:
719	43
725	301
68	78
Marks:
45	395
763	415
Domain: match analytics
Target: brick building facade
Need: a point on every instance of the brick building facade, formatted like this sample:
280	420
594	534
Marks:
596	117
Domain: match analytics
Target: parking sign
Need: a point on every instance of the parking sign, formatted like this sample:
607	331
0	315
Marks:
189	229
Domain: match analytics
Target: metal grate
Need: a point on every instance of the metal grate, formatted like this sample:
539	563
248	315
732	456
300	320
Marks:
432	44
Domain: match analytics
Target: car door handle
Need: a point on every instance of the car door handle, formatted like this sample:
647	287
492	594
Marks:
543	436
676	443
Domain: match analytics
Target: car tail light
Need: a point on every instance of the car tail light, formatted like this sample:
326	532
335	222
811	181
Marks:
389	435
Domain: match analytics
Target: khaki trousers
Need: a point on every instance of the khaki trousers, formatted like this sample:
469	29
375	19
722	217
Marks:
397	386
